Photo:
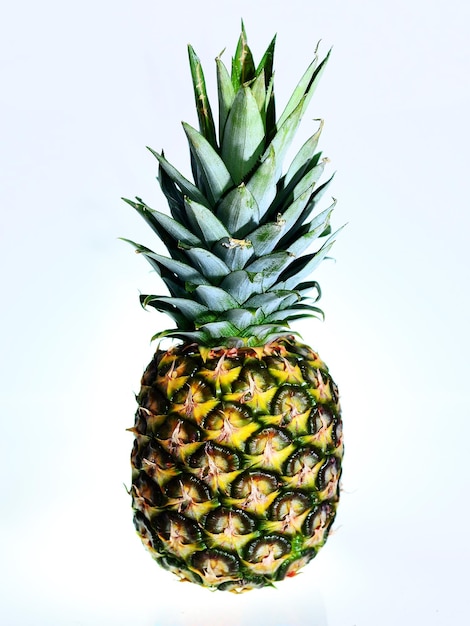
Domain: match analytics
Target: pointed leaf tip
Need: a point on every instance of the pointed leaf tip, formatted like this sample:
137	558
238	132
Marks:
215	173
204	111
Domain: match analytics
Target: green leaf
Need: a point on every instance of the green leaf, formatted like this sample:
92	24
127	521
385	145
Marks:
226	94
270	116
184	272
180	319
288	299
304	289
188	307
210	266
264	333
258	89
296	312
216	175
166	275
292	200
243	67
290	118
304	156
220	330
266	67
238	211
270	267
306	183
165	227
193	336
305	199
296	218
186	186
299	92
305	88
303	267
316	79
215	298
292	214
307	234
241	318
172	193
272	301
320	191
284	136
204	112
241	285
262	184
243	138
233	255
266	236
205	222
266	63
179	233
198	176
139	248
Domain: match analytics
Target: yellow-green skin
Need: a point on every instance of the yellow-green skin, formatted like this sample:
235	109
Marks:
236	462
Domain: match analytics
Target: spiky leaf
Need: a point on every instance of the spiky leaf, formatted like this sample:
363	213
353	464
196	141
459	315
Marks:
208	264
216	175
187	307
243	67
241	285
304	156
302	238
265	237
262	183
205	223
169	230
305	88
186	186
226	94
183	271
204	112
237	236
215	298
243	138
238	211
304	266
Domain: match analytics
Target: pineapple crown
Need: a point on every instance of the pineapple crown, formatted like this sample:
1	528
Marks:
236	273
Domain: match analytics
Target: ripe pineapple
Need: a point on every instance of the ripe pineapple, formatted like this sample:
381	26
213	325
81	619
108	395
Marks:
238	436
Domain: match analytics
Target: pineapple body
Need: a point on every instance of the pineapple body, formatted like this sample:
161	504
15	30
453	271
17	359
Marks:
238	446
236	462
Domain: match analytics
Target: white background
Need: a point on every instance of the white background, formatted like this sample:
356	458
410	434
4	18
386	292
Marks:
85	86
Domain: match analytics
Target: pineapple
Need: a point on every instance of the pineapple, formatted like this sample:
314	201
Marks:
238	435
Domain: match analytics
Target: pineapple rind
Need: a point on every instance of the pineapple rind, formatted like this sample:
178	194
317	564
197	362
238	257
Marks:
263	474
